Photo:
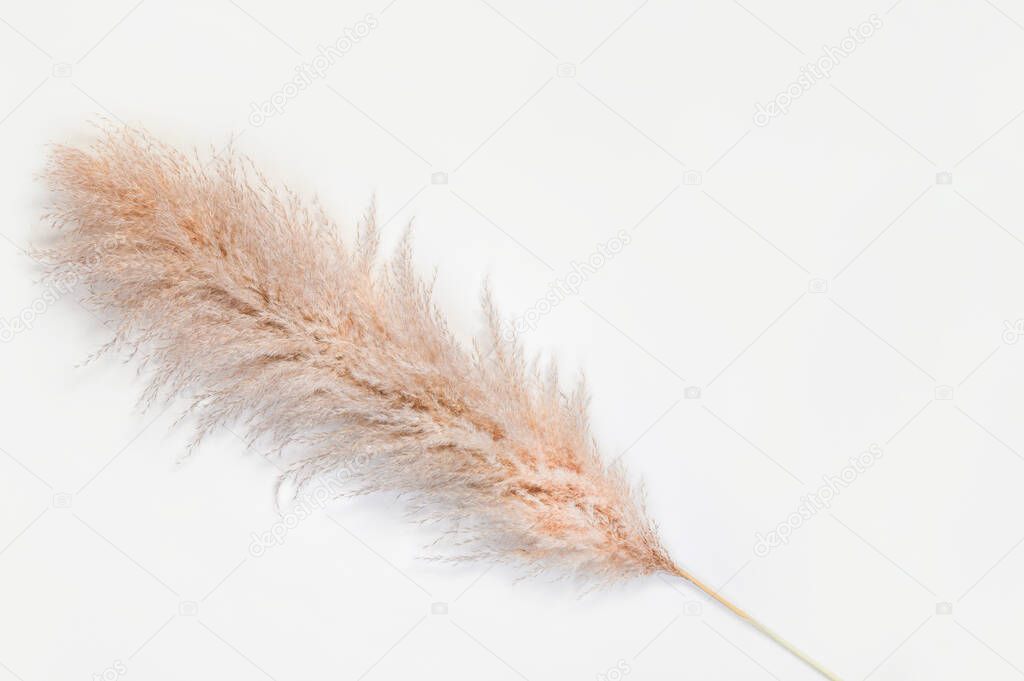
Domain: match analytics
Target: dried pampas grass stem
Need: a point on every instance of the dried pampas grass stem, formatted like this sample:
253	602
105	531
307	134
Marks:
242	296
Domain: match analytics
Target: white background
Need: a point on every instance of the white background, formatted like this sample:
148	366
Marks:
810	278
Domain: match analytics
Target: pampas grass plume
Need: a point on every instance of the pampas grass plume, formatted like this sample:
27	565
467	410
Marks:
243	297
